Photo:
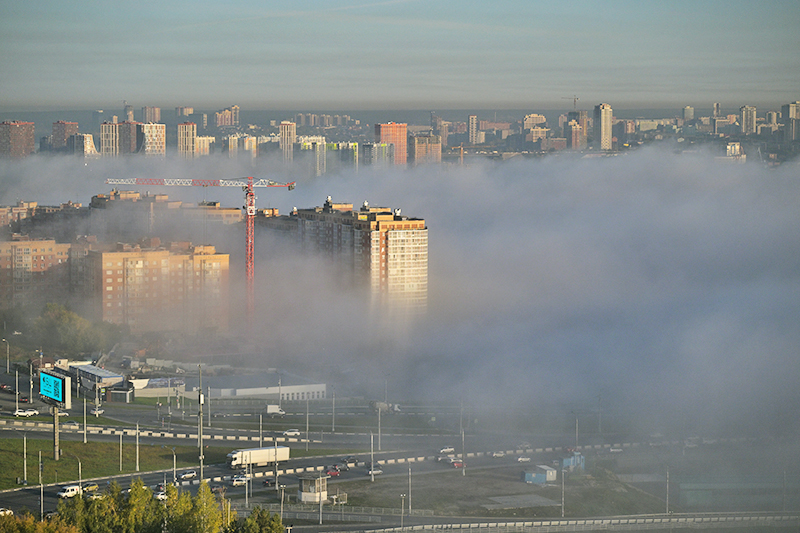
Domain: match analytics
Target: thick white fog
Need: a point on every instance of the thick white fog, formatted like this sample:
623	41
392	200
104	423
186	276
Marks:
665	284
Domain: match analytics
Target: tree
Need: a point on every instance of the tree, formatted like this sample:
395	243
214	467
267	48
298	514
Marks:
27	523
206	515
260	521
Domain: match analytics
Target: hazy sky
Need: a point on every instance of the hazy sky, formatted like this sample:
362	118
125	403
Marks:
398	53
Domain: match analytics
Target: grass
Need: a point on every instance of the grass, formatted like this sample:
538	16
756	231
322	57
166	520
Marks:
97	459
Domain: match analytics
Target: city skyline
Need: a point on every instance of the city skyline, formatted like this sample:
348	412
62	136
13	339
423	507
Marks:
400	54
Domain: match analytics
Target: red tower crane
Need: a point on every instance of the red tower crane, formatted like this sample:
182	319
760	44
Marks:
247	185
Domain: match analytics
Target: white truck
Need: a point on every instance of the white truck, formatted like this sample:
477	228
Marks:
238	459
274	411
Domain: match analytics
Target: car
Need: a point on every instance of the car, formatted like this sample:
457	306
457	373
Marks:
5	387
498	454
342	467
269	482
160	496
443	458
332	472
69	491
31	412
457	463
63	413
524	445
6	512
350	460
447	449
95	496
189	474
97	411
218	489
20	412
374	471
239	480
23	399
91	487
291	433
523	459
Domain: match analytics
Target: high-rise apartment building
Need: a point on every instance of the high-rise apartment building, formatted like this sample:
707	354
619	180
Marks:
203	144
747	119
380	250
532	120
187	139
127	112
17	139
128	137
688	113
183	111
716	110
227	117
424	148
155	288
603	121
61	132
109	139
151	139
396	134
472	130
32	272
82	144
576	140
151	114
288	136
582	118
440	127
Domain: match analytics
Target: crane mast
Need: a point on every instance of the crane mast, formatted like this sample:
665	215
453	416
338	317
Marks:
247	185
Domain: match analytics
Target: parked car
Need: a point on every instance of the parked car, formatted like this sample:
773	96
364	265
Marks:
239	480
291	433
91	487
447	449
189	474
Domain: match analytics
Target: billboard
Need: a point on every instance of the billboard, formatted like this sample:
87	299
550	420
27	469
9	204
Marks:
55	388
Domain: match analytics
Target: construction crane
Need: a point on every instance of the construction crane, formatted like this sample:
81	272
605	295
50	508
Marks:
574	101
247	185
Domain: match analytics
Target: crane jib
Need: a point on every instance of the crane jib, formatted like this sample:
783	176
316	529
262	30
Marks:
170	182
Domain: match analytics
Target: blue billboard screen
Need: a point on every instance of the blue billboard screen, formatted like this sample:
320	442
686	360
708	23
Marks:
51	386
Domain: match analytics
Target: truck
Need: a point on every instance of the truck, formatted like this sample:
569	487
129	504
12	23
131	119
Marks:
274	411
384	407
239	459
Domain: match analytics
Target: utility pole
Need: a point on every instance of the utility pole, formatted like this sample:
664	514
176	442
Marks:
137	445
200	418
306	423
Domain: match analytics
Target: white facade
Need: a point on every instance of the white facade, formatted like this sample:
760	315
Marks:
152	139
603	117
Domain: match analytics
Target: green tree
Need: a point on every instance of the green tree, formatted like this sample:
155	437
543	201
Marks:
178	511
27	523
260	521
141	512
206	515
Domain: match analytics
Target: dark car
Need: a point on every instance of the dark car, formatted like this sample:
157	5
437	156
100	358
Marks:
269	482
350	460
342	467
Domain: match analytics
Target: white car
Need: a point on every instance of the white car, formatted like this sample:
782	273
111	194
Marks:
20	412
447	449
31	412
160	496
374	471
69	491
239	481
63	413
189	474
291	433
97	411
498	454
523	459
6	512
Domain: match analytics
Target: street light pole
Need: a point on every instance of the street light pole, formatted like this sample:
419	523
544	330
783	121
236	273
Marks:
333	412
120	451
174	461
8	357
137	445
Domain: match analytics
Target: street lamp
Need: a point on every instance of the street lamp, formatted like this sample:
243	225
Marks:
24	456
8	357
137	445
80	472
174	474
402	508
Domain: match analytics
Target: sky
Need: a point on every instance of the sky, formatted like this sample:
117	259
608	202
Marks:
407	54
